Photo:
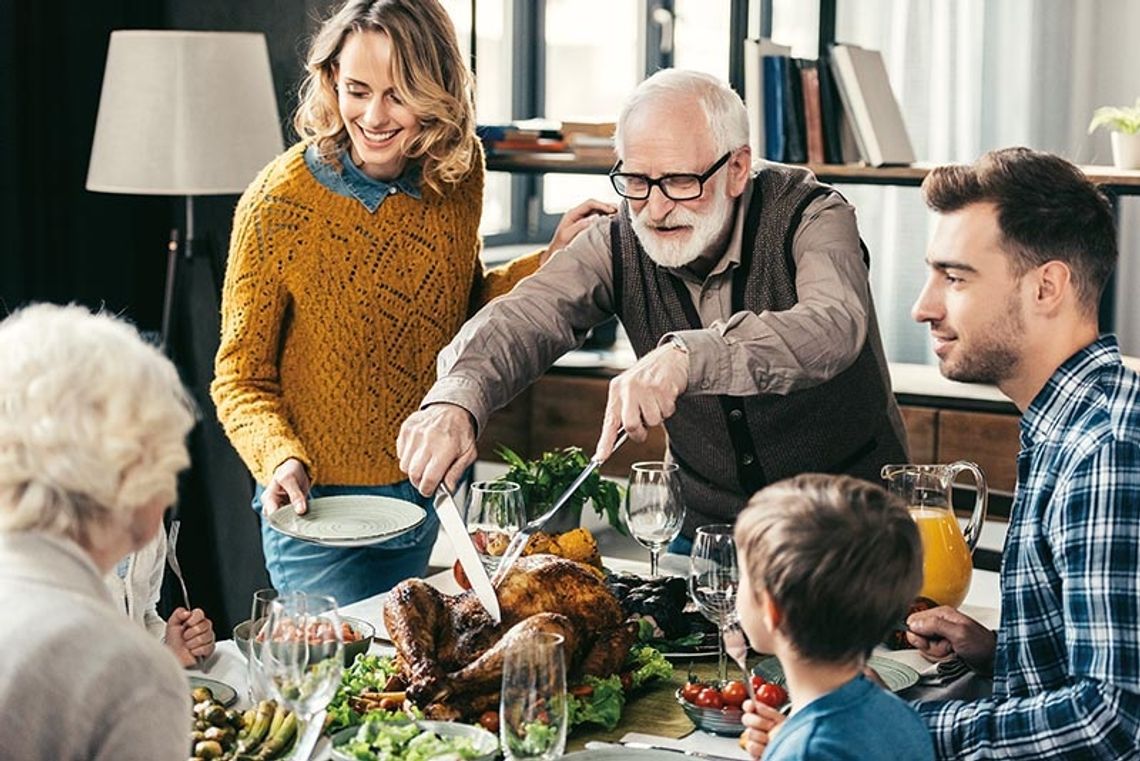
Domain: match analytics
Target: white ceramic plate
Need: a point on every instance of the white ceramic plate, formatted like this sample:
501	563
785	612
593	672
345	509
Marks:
897	676
349	520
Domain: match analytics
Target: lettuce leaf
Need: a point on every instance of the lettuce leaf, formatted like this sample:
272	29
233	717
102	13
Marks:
646	664
603	706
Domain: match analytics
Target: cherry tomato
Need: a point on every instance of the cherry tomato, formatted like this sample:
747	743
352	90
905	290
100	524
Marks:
490	721
690	691
757	682
709	697
734	694
772	695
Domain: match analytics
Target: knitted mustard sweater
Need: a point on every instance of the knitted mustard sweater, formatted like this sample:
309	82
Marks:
332	318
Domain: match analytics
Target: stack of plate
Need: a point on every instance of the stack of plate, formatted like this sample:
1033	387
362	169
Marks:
350	520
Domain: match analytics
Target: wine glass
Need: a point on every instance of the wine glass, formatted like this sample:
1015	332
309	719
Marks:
495	513
653	508
713	578
301	659
258	689
533	704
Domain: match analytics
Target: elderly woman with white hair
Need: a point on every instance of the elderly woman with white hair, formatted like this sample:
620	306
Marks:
92	436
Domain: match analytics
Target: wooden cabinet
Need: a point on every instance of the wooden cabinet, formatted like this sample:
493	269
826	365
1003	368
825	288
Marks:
566	410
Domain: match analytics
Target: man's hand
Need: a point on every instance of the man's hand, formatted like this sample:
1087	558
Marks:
436	444
290	484
943	631
644	396
760	722
189	635
573	222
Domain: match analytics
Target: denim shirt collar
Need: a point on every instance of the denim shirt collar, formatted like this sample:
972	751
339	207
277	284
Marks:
351	182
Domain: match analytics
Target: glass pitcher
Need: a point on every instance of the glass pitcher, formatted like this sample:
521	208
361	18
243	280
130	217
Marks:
947	549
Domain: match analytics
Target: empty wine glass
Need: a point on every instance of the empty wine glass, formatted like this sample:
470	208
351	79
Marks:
533	704
258	689
495	513
653	508
713	578
301	659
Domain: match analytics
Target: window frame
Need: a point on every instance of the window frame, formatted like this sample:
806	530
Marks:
529	223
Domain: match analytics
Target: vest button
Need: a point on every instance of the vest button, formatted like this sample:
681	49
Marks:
736	416
747	459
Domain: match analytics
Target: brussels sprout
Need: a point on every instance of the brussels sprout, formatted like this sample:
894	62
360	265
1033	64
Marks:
201	694
208	749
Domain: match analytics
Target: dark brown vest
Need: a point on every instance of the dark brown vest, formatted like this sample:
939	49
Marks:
729	447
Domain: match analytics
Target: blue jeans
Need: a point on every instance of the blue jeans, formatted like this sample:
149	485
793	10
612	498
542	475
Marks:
350	573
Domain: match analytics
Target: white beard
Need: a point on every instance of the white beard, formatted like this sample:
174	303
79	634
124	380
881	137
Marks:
706	229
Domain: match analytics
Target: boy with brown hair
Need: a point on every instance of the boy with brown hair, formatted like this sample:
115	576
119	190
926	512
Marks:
828	564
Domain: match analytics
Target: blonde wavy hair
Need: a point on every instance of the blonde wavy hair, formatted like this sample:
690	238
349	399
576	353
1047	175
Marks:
93	423
429	76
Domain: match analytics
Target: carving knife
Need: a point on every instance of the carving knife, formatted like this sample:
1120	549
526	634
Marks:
449	519
519	541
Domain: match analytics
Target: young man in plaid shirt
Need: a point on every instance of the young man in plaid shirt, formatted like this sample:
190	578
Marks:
1022	250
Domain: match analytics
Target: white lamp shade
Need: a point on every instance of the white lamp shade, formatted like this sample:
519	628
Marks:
184	113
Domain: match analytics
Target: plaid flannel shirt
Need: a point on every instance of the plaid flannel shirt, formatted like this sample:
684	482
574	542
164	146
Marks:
1067	666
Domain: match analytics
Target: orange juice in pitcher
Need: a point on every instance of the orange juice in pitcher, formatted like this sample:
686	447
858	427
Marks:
947	564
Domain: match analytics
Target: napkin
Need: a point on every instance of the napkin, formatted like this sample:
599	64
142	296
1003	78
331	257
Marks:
703	742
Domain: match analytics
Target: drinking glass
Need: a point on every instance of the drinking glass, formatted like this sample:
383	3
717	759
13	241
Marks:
533	698
301	660
653	508
495	513
258	689
713	578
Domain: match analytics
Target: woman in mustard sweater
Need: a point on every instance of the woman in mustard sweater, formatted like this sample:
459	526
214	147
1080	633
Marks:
354	259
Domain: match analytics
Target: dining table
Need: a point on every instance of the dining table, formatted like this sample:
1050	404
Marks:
652	716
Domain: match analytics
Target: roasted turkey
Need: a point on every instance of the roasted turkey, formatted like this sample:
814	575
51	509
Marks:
450	652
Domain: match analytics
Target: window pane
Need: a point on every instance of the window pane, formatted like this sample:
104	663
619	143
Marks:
591	68
700	39
492	91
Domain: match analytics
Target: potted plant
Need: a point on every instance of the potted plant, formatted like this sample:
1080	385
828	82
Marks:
1125	125
543	480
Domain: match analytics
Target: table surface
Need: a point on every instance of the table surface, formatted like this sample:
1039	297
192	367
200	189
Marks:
229	666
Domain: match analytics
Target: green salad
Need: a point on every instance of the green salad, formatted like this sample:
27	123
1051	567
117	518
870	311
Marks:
368	672
600	701
390	738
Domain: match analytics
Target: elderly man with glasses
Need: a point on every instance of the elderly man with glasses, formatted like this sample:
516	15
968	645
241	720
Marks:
744	291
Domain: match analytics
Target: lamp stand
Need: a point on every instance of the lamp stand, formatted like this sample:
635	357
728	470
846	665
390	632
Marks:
172	270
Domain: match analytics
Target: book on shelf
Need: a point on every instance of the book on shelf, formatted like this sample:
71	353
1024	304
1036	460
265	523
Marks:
870	105
754	90
813	119
795	140
838	142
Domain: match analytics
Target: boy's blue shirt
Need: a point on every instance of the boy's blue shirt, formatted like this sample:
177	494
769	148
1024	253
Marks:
857	722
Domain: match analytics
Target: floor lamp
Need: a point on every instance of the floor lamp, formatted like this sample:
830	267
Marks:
183	114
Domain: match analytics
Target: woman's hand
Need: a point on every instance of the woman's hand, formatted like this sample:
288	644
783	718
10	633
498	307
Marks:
290	484
189	635
761	722
573	222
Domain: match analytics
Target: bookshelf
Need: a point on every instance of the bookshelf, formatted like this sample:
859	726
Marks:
1120	182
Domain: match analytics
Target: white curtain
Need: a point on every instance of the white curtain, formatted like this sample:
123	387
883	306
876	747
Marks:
973	75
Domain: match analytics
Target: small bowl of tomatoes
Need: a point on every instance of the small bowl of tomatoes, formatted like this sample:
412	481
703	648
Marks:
717	706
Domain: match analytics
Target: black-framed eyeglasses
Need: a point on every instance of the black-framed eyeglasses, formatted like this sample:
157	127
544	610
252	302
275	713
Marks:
677	187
